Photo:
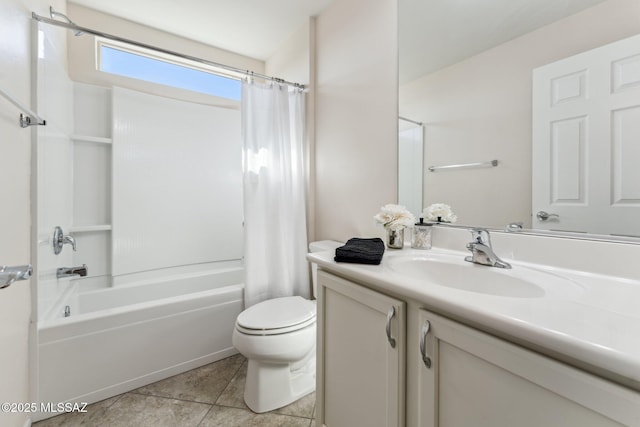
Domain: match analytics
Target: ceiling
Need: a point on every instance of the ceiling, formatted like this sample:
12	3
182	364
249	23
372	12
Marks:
253	28
436	33
433	33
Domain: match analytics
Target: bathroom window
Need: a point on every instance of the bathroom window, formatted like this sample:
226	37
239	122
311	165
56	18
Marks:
144	64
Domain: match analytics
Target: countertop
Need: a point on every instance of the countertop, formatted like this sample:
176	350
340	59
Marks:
595	326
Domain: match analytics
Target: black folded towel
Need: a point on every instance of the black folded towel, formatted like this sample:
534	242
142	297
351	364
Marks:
361	251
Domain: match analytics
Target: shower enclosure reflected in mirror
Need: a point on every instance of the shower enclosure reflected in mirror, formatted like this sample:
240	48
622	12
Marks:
467	72
410	165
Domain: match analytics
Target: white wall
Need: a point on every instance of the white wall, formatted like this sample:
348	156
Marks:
186	206
15	217
291	61
294	62
480	109
54	161
356	116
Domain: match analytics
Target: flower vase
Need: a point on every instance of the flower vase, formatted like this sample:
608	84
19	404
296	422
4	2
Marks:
395	238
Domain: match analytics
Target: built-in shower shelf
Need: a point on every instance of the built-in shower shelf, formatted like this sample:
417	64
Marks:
90	228
91	139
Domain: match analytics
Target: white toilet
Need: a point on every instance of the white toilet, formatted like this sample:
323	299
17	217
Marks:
278	338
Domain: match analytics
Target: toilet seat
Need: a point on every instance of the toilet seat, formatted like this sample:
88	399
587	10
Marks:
277	316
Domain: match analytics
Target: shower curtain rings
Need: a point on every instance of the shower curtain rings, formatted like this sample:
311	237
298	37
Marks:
249	77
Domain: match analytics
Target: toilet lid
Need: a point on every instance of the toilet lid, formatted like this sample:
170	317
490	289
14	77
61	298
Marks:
277	313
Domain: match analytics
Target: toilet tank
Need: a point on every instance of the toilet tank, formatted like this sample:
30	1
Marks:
320	246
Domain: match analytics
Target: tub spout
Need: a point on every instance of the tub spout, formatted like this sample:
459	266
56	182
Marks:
72	271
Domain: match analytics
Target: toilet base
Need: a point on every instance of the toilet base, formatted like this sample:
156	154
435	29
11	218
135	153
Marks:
271	385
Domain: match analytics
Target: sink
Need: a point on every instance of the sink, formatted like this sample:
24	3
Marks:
448	271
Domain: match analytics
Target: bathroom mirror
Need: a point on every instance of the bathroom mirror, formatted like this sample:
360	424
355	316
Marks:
410	165
467	71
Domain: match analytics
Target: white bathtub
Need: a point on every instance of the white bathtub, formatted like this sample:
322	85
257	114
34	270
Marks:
124	337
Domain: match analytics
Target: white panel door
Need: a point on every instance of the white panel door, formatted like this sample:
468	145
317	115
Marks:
177	183
586	141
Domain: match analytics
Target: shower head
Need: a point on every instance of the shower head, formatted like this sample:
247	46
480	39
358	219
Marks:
55	14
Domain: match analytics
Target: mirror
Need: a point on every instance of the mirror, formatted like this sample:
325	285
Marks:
410	165
467	71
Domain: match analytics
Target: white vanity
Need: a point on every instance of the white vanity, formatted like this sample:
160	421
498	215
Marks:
427	339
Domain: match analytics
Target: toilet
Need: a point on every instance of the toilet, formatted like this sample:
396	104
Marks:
278	338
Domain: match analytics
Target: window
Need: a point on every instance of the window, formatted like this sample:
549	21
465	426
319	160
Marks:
142	64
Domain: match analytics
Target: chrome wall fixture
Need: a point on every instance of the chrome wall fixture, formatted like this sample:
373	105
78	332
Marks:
60	239
490	164
54	14
72	271
28	119
8	275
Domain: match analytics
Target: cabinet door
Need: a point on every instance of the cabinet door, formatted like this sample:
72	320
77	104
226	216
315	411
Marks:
478	380
361	353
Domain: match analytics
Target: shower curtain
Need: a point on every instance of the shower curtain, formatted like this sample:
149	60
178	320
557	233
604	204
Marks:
275	236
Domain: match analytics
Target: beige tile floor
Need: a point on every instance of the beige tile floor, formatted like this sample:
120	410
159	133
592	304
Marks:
210	396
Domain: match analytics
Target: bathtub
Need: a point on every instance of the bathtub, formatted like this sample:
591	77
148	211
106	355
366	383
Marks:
123	337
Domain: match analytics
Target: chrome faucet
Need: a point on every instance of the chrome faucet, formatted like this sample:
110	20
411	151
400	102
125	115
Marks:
71	271
482	252
60	239
8	275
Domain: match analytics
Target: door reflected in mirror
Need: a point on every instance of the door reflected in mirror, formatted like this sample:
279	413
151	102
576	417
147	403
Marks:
467	72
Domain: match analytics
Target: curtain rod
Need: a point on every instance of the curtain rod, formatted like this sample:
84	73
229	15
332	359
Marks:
72	26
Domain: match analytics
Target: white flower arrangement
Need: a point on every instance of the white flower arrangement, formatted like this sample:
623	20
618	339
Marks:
439	212
395	217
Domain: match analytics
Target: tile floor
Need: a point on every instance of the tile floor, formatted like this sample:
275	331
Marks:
210	396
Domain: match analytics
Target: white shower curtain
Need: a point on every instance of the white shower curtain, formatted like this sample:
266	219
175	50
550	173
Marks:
275	236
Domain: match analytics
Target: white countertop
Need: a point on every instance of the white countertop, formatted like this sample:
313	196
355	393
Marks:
596	326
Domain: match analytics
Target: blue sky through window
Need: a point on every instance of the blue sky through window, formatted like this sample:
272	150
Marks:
140	67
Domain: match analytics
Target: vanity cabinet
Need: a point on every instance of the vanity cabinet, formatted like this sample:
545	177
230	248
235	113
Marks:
451	375
361	355
469	378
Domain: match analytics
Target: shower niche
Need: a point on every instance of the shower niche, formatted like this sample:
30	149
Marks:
92	175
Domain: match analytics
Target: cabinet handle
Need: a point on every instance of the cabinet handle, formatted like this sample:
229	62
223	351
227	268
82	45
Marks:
390	314
423	344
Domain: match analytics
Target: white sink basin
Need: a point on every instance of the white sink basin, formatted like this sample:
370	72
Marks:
448	271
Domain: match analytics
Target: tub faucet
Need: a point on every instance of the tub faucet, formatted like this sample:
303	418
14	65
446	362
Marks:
71	271
482	252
